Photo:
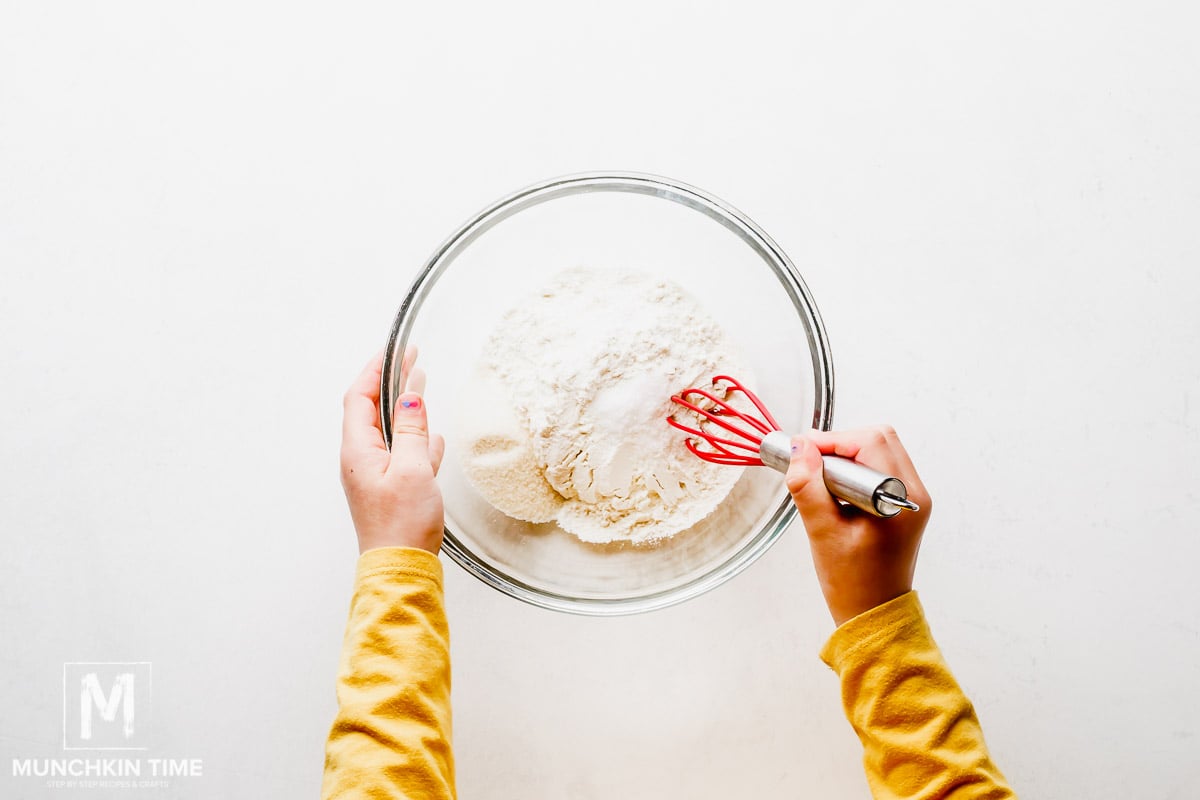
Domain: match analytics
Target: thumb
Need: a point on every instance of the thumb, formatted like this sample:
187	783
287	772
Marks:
410	430
806	482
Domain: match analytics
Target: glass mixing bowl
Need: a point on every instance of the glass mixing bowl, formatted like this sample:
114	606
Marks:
616	221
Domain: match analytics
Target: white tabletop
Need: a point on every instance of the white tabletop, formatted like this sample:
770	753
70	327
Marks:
208	216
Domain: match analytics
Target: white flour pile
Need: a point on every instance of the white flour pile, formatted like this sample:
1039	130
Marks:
567	422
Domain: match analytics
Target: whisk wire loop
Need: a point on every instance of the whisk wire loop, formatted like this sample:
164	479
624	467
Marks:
736	386
724	457
720	412
854	483
716	441
717	417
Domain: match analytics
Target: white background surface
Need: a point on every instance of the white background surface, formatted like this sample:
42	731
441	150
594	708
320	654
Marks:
209	213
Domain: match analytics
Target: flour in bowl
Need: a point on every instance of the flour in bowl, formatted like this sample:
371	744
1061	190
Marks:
567	420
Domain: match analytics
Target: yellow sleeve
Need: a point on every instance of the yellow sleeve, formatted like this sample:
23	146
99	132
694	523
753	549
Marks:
391	736
920	736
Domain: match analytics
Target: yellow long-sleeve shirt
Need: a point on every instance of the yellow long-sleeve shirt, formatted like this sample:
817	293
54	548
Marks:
391	737
921	738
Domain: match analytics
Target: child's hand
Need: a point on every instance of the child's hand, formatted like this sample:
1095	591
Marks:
393	497
862	561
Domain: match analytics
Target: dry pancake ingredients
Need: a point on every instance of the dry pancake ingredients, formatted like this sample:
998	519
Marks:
567	420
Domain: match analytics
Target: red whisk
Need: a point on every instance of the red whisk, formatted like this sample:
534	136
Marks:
739	438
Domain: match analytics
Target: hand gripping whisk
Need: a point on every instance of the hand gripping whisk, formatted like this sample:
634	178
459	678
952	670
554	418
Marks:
758	442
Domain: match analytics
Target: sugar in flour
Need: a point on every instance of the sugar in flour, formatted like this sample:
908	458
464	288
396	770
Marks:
567	422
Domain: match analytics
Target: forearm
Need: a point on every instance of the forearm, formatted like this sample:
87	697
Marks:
921	738
391	736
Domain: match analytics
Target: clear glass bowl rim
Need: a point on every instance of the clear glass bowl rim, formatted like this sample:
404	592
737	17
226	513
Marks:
667	189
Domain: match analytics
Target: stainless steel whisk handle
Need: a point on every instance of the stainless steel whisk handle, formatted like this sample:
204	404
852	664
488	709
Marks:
846	479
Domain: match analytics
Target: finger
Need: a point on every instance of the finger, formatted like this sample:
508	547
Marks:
867	446
360	419
416	381
806	483
904	469
437	449
899	453
410	431
406	367
835	443
880	448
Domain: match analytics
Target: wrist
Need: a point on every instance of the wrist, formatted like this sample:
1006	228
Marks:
375	542
846	603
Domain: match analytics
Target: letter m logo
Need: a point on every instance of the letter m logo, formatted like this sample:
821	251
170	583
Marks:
92	696
105	705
